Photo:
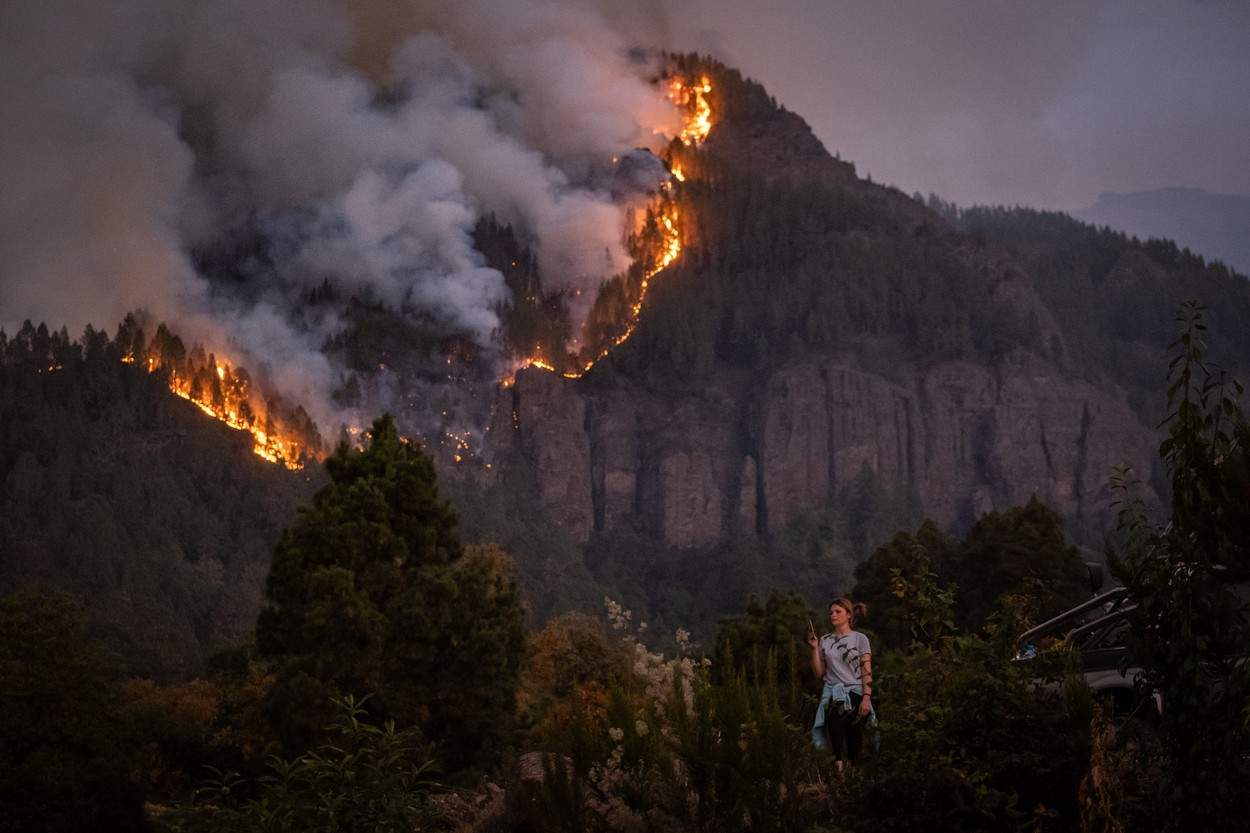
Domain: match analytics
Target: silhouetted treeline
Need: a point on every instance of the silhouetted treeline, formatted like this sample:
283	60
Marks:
1113	295
114	489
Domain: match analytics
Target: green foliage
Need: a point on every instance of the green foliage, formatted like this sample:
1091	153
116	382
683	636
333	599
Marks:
906	599
874	511
743	758
779	268
572	653
814	554
1190	626
534	321
371	590
1020	551
65	749
551	568
1004	550
769	635
669	748
1113	296
969	740
374	335
367	779
183	727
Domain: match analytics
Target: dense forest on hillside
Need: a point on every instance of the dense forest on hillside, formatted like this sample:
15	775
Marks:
164	520
1114	294
116	490
782	269
786	252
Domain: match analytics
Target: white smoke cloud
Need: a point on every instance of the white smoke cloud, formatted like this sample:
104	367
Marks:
364	139
90	203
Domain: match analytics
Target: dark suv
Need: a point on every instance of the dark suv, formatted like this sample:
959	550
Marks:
1098	631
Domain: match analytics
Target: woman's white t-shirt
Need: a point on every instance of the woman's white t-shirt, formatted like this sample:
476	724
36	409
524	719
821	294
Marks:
842	657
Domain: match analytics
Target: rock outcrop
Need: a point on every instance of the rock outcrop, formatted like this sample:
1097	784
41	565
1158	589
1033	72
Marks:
744	455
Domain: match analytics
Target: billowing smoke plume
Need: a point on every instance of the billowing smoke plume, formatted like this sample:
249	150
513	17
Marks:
363	140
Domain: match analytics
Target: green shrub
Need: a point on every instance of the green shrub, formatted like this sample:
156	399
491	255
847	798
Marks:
969	740
66	749
672	748
371	778
1190	626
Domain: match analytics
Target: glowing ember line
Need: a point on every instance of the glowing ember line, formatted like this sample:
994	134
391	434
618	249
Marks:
692	97
236	409
669	252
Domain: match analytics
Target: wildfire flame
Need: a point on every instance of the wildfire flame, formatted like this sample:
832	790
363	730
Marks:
233	401
692	97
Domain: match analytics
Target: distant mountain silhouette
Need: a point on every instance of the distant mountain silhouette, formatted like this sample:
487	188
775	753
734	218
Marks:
1216	226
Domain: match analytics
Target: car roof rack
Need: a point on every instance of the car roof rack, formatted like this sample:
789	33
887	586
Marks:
1113	596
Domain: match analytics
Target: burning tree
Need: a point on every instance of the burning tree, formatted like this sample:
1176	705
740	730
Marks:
225	392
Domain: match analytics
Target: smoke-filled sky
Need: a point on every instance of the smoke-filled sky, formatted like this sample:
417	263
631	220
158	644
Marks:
1003	101
360	139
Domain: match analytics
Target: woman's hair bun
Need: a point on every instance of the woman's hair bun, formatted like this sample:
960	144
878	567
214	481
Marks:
857	610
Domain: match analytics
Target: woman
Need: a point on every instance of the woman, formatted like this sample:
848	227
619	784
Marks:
843	659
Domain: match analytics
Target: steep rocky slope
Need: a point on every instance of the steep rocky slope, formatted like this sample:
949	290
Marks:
745	455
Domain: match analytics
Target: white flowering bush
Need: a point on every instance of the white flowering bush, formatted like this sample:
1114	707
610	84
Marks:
671	750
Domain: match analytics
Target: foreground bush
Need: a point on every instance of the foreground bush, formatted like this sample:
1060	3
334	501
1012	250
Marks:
1190	579
65	746
366	780
968	740
666	748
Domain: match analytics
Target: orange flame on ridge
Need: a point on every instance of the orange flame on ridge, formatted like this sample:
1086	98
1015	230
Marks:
693	98
233	402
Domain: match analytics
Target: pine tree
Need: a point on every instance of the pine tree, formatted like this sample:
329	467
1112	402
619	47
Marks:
1004	550
370	592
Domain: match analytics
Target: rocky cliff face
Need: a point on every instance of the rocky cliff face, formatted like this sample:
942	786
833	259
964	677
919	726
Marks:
743	455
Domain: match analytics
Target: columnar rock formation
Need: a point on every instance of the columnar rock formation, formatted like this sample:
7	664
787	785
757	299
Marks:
744	455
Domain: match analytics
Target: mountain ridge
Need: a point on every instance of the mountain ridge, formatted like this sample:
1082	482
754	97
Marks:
1212	224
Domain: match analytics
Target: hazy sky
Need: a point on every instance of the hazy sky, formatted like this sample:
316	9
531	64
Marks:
1038	103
